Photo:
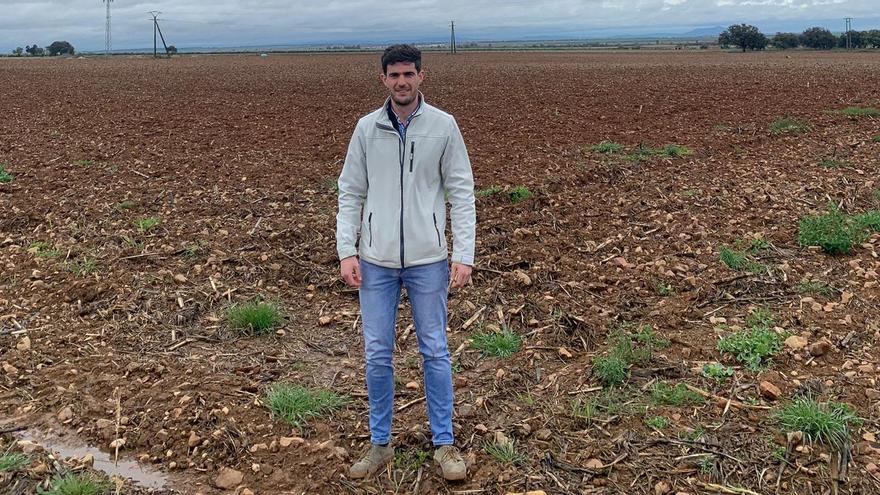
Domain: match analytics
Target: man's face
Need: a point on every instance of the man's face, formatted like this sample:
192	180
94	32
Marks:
403	81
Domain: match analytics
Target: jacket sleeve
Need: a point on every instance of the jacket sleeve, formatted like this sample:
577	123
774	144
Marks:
352	193
458	181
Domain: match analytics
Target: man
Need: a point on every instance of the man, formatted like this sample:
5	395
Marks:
402	160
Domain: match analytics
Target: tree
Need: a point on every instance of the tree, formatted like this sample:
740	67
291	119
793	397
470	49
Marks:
18	51
60	47
784	41
172	49
872	38
744	36
35	51
856	39
818	38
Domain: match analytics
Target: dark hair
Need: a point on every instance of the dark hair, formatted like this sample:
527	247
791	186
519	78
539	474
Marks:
401	53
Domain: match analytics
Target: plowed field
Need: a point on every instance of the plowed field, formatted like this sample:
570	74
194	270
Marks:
147	197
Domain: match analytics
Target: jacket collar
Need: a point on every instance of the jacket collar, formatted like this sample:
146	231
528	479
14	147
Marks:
385	121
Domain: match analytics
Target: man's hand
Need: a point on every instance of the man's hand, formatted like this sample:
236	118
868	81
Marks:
460	275
351	271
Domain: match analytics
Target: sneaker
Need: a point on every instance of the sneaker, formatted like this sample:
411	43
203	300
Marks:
451	463
376	458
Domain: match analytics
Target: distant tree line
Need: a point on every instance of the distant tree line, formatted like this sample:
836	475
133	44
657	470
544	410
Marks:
747	37
56	48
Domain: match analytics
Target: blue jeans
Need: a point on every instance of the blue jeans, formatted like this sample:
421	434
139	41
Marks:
427	288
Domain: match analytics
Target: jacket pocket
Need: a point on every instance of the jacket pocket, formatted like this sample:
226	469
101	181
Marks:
370	228
436	229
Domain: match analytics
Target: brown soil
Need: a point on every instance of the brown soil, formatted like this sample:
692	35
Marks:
237	156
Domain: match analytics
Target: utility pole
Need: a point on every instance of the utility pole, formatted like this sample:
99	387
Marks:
848	32
107	31
452	38
157	29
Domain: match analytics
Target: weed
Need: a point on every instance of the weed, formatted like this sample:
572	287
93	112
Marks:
499	344
833	163
607	147
869	221
827	423
739	260
674	150
5	177
130	242
834	232
627	351
75	484
759	244
814	287
295	404
856	112
489	191
690	193
146	224
83	163
646	335
584	410
83	267
778	453
641	153
125	205
504	452
526	398
456	366
752	347
707	465
255	316
610	370
410	460
44	250
679	395
786	125
664	289
11	462
760	318
519	193
657	422
696	433
717	372
876	139
332	185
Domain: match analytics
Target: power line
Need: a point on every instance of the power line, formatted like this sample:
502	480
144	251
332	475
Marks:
157	29
452	38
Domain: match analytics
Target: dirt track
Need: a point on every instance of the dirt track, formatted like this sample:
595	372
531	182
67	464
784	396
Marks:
237	156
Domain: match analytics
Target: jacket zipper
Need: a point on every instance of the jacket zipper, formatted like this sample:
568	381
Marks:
439	242
370	223
412	153
401	151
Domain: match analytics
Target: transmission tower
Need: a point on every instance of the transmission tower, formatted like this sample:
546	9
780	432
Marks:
107	33
848	32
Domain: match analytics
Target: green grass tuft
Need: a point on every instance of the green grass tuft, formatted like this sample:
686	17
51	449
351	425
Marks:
833	163
786	125
125	205
295	404
490	191
869	221
44	250
504	452
83	163
76	484
11	462
876	139
499	344
814	287
834	232
674	150
519	193
255	316
739	260
679	395
83	267
607	147
146	224
611	370
642	153
410	460
657	422
860	112
828	423
5	177
583	410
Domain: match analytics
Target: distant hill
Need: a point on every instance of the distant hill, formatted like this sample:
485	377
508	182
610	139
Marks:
704	32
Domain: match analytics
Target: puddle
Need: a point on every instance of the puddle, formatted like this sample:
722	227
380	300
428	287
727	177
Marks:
70	447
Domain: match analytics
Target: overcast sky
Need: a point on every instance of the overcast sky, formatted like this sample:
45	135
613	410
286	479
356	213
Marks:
202	23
